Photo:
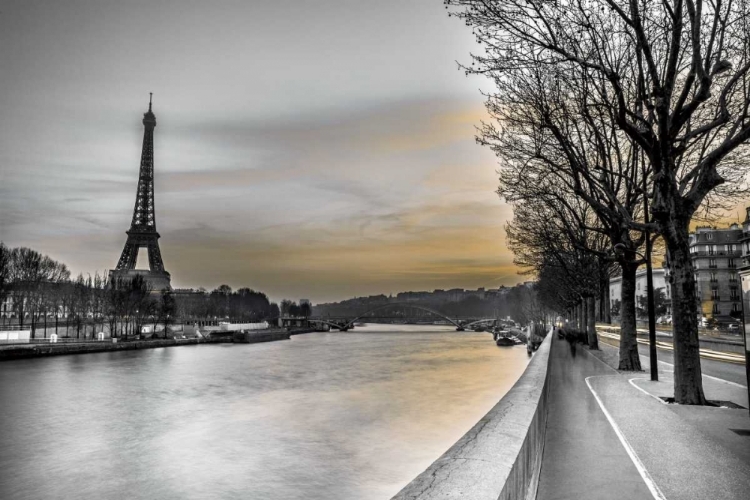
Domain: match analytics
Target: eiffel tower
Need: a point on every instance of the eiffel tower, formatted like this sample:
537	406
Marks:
142	233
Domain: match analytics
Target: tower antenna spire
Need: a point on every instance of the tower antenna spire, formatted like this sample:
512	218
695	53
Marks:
150	96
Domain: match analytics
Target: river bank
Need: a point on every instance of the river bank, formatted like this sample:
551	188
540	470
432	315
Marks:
24	351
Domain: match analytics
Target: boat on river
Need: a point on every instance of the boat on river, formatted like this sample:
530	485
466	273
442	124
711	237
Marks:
505	342
504	338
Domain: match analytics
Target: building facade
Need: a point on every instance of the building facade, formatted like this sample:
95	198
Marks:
660	281
717	254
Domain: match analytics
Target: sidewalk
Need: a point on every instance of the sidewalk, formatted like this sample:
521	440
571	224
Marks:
583	457
610	436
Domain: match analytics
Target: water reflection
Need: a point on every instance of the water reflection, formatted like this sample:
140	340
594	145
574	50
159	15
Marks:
332	416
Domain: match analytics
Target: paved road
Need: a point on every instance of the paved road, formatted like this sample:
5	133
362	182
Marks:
583	457
727	371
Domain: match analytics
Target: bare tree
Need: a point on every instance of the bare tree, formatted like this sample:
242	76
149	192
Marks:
676	74
5	271
30	272
555	139
563	233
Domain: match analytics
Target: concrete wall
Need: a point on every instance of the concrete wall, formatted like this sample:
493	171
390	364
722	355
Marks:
499	458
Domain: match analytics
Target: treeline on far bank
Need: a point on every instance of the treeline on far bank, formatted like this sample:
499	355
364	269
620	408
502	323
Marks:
520	303
38	292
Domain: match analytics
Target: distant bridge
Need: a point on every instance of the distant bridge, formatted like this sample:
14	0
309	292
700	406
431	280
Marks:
344	324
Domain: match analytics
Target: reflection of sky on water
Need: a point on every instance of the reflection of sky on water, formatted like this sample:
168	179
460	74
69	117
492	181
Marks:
354	415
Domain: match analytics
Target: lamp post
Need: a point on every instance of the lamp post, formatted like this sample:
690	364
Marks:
650	293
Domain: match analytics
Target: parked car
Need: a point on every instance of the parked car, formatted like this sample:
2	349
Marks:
664	320
734	327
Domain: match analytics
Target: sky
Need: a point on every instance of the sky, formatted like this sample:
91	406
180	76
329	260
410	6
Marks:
308	149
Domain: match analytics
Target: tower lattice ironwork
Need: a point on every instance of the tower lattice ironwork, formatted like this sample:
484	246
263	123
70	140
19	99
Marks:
142	233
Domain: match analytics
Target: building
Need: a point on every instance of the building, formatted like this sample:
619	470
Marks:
717	254
641	292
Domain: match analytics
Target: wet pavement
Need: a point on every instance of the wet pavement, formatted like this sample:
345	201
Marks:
583	457
610	436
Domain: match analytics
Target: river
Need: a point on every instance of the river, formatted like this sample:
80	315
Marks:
352	415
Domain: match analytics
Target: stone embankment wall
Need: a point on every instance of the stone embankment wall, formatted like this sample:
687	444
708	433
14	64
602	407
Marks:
500	457
37	350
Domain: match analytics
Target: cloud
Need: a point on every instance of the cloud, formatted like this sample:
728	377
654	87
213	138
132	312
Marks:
383	197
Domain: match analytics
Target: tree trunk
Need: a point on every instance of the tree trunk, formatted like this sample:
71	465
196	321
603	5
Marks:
591	328
629	358
688	382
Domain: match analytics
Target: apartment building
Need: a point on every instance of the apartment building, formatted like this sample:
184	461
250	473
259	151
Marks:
717	254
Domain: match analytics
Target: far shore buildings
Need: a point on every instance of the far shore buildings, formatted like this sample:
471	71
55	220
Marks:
716	254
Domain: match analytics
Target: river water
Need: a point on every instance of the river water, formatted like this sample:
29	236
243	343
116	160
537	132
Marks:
353	415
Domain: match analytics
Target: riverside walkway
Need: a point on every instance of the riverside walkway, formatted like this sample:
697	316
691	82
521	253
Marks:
609	436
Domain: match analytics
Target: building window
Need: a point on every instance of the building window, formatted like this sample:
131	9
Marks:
716	309
712	263
730	263
733	293
715	293
733	277
736	307
709	236
639	286
711	249
713	277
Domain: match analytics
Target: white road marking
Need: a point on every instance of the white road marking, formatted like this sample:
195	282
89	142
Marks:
644	391
650	484
617	337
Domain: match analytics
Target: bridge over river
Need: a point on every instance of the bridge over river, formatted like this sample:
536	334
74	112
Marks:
380	314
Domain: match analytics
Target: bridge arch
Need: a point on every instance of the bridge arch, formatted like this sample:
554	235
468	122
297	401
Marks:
349	324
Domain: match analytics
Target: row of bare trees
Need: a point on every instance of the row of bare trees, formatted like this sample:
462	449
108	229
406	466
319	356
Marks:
599	104
41	291
241	305
35	284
